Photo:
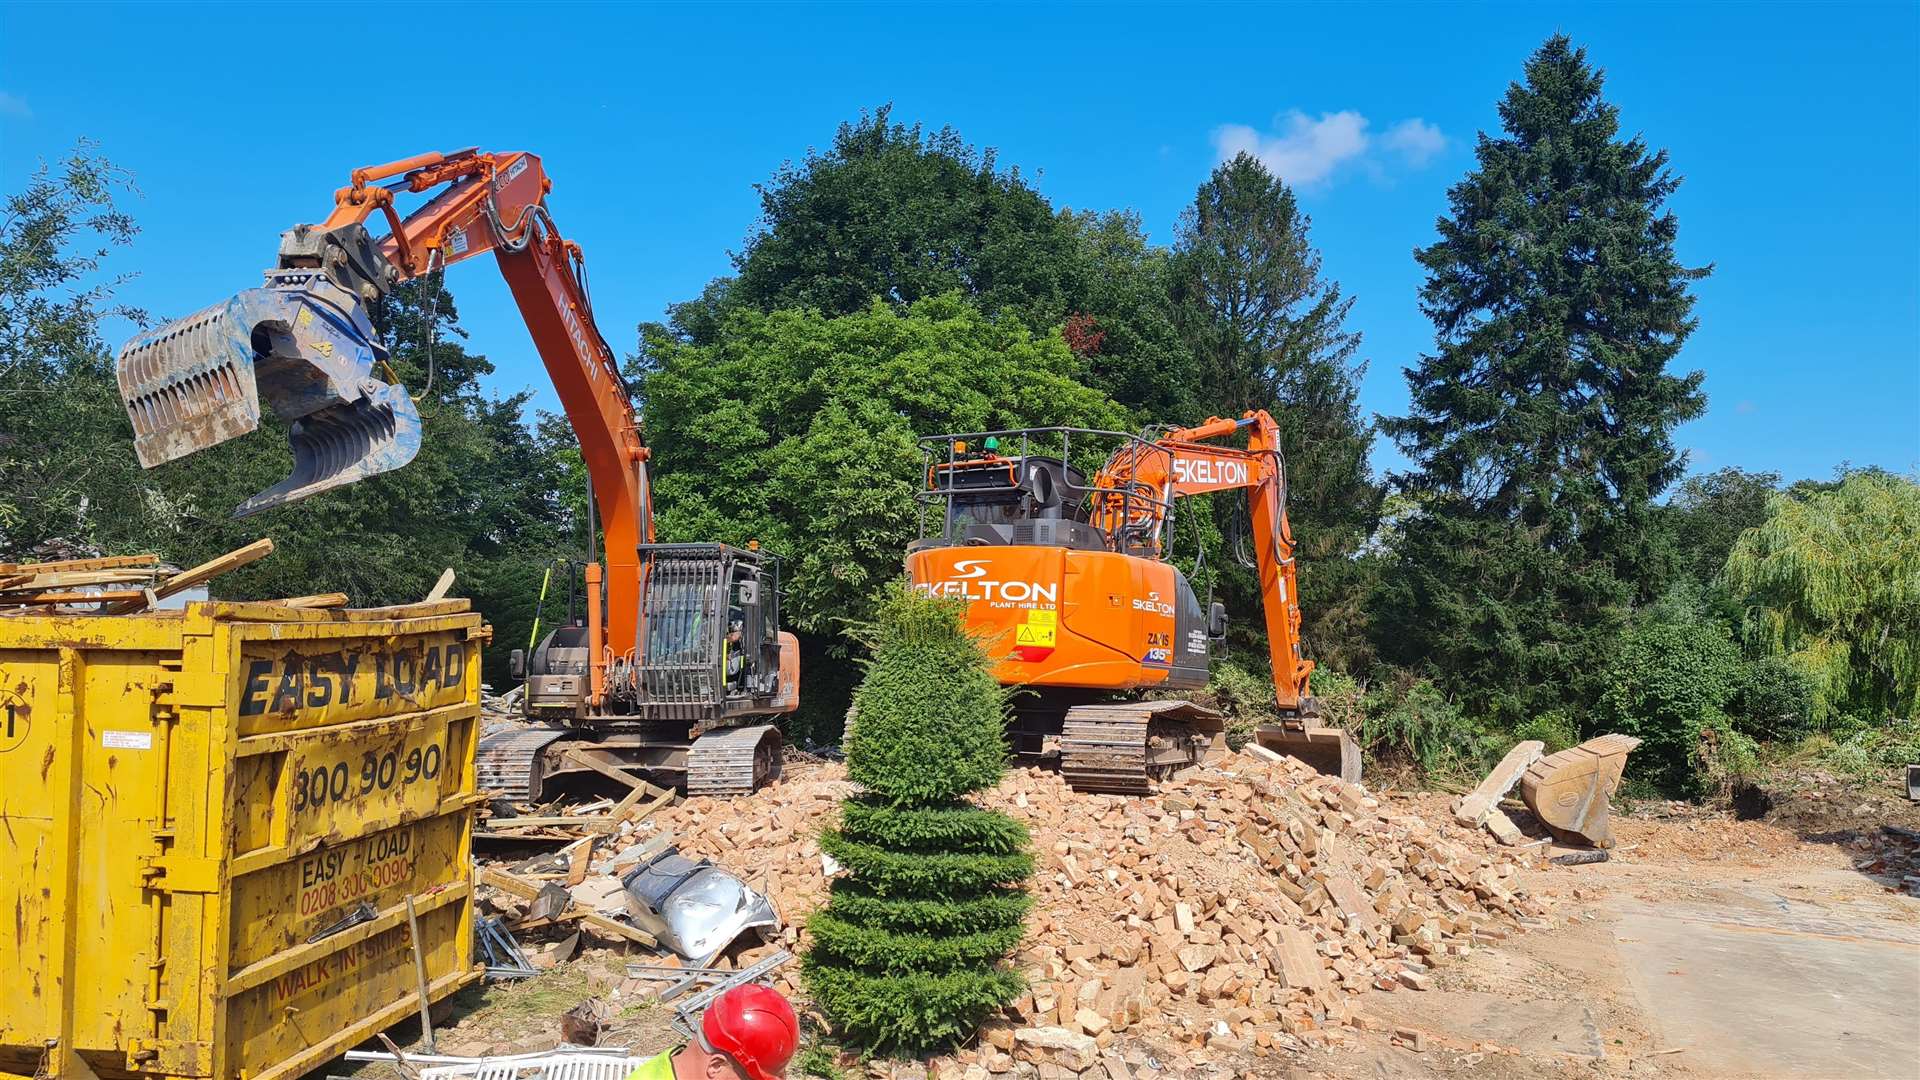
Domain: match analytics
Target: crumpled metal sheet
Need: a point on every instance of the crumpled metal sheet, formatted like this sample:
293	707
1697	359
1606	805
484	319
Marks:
694	908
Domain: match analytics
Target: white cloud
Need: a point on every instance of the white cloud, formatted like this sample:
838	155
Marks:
14	105
1306	150
1415	140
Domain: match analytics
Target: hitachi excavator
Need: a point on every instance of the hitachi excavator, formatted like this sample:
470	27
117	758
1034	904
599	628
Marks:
1068	582
680	647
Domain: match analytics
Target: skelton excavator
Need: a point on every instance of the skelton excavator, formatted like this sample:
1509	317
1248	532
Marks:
1069	583
680	647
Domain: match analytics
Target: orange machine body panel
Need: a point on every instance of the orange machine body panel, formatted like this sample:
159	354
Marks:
1056	616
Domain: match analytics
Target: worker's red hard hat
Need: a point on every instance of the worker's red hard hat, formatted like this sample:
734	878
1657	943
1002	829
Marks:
754	1026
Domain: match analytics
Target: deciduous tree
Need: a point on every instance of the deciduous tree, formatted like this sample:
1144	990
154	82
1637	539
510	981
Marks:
1831	582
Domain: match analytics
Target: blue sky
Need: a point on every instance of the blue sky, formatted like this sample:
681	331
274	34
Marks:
1797	129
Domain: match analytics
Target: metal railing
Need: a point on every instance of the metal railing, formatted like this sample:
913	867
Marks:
1126	509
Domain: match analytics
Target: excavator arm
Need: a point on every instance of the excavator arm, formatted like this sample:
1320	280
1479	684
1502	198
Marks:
1185	462
305	341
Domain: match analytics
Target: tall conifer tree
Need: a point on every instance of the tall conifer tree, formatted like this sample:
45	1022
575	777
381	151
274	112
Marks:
1267	330
1542	424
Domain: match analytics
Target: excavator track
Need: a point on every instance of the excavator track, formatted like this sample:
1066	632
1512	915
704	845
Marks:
508	759
1123	748
734	761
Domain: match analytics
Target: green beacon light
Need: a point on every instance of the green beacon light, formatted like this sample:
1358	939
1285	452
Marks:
991	444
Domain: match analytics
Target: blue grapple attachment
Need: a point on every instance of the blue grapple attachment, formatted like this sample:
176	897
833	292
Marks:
302	341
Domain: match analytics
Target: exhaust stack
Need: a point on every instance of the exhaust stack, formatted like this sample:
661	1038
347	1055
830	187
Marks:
304	343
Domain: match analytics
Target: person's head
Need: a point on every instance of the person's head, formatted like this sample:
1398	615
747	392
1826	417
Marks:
748	1033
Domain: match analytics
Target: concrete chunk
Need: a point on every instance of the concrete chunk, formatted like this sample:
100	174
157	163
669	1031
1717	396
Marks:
1472	808
1069	1048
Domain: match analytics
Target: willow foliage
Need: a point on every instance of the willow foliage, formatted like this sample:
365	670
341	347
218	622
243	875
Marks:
1831	581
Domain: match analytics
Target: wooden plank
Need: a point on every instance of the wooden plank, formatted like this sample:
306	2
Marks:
593	760
659	800
317	600
199	575
110	562
559	821
68	579
109	596
579	858
511	884
627	804
213	568
527	890
440	587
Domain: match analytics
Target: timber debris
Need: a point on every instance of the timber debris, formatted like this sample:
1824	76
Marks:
122	584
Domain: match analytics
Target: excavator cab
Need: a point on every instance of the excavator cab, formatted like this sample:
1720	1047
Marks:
304	343
710	615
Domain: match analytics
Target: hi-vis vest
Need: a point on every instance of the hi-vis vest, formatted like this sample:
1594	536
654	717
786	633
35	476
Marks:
659	1067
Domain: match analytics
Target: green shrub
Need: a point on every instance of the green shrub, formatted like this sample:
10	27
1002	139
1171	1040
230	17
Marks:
932	828
909	955
1867	750
1245	696
1003	908
908	1013
1727	755
1553	727
1774	701
819	1060
1421	727
1668	684
911	873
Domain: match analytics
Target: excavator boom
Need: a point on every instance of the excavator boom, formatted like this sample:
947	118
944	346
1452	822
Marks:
678	640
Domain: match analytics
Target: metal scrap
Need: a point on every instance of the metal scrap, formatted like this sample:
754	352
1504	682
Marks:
504	957
696	909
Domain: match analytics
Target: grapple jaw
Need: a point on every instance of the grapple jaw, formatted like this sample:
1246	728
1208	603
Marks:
302	342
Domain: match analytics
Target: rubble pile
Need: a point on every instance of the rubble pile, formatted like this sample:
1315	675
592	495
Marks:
1241	908
1237	910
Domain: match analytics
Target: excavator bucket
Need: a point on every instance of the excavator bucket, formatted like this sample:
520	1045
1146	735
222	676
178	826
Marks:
306	346
1331	751
1570	791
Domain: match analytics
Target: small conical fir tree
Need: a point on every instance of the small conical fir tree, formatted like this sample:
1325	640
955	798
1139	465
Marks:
909	955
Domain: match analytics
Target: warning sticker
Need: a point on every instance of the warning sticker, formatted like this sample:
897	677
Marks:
127	740
1041	628
1029	634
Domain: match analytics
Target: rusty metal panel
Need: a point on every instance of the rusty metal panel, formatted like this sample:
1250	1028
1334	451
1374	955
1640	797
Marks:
191	801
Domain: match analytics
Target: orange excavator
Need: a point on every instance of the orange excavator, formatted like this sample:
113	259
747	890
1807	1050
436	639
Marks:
680	646
1068	581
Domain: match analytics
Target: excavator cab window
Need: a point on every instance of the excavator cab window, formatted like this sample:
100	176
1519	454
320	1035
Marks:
712	621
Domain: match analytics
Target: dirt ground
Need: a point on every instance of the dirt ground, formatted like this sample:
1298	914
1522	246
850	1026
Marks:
1706	947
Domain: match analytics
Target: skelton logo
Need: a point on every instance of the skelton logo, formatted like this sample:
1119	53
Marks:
1209	471
1153	603
969	581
